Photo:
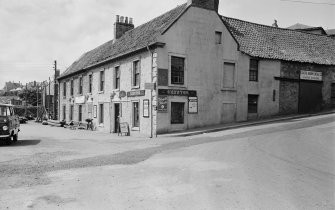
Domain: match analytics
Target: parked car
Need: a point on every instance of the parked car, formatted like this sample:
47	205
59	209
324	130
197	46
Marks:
9	124
23	119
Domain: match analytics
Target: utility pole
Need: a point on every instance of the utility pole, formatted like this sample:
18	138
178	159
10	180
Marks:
25	110
55	93
48	99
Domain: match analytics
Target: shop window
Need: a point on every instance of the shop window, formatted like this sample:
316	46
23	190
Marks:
101	113
80	85
90	83
71	88
252	104
177	70
253	70
64	89
117	78
80	113
218	37
71	112
102	81
177	113
136	114
136	73
228	75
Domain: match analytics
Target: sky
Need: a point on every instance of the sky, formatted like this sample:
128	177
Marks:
34	33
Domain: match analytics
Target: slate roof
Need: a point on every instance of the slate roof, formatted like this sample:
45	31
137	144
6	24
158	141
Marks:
283	44
331	32
133	40
299	26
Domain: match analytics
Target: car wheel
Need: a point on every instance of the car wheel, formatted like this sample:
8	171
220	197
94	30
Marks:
15	137
8	141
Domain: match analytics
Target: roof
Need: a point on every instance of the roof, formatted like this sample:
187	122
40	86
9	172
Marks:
299	26
331	32
135	39
284	44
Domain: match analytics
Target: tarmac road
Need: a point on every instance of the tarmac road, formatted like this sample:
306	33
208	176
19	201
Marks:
284	165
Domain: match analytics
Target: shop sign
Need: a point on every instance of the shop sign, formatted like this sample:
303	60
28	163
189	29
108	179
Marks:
136	93
80	100
311	75
162	103
146	108
192	105
174	92
122	94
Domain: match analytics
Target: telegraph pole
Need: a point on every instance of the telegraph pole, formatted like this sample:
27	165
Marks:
48	99
55	93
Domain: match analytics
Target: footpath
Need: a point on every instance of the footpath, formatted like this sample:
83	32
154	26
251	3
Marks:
221	127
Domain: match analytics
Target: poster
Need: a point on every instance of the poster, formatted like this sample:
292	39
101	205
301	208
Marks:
146	108
192	105
162	103
95	111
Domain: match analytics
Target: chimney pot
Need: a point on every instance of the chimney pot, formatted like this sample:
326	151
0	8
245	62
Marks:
126	20
131	21
122	19
117	18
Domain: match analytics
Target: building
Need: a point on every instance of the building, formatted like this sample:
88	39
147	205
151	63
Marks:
11	86
13	100
192	67
314	30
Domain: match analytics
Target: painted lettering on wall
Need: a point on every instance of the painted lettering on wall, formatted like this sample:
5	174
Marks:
311	75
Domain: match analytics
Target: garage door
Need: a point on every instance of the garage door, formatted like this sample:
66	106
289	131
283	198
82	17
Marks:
310	97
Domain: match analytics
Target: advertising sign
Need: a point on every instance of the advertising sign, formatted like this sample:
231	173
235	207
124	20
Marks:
146	108
80	100
162	103
175	92
311	75
136	93
192	105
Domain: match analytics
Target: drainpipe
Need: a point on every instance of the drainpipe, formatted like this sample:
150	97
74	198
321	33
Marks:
151	98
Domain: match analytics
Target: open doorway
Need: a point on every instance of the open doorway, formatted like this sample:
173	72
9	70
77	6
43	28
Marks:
117	114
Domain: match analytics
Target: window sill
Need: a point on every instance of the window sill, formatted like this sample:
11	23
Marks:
101	92
135	129
135	87
180	86
228	89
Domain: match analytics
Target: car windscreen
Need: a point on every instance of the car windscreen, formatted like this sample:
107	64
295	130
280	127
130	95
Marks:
3	111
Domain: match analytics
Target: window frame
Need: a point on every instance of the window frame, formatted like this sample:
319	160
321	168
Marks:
101	113
80	113
90	83
172	120
80	85
253	72
218	37
64	89
170	70
136	72
223	73
133	114
71	87
252	109
64	112
71	112
102	81
117	77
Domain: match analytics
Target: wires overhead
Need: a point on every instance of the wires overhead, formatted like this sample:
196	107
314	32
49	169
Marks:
310	2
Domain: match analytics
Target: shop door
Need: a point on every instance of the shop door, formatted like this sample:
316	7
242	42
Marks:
310	97
116	117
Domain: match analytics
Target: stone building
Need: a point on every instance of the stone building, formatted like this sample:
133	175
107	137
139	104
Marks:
192	67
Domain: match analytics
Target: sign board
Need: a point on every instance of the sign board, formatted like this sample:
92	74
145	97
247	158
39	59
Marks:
311	75
192	105
122	94
124	128
80	99
146	108
175	92
149	86
95	111
136	93
162	103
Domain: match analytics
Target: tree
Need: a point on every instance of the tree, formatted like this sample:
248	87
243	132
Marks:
31	96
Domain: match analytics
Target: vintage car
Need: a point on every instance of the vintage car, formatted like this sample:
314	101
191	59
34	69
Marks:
9	124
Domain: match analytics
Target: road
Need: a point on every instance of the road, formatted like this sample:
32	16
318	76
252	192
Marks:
283	165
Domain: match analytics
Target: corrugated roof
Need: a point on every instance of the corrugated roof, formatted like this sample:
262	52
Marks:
132	40
283	44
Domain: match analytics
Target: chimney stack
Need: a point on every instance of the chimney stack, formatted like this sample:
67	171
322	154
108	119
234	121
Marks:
122	25
275	24
205	4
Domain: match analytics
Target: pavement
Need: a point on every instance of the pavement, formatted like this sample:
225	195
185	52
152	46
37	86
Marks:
221	127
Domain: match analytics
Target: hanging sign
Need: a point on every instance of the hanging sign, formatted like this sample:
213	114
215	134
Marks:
311	75
192	105
162	103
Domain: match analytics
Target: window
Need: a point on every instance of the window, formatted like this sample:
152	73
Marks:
117	77
71	112
64	89
228	75
102	80
333	94
101	113
177	70
71	87
136	114
80	113
252	103
136	73
80	85
90	83
64	112
218	37
177	113
253	70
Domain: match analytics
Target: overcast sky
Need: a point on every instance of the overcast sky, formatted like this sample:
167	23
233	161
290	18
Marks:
34	33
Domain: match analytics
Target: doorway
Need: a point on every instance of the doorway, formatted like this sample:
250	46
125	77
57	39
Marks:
117	114
310	97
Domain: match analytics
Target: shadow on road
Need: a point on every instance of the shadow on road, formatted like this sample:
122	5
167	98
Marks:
21	143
